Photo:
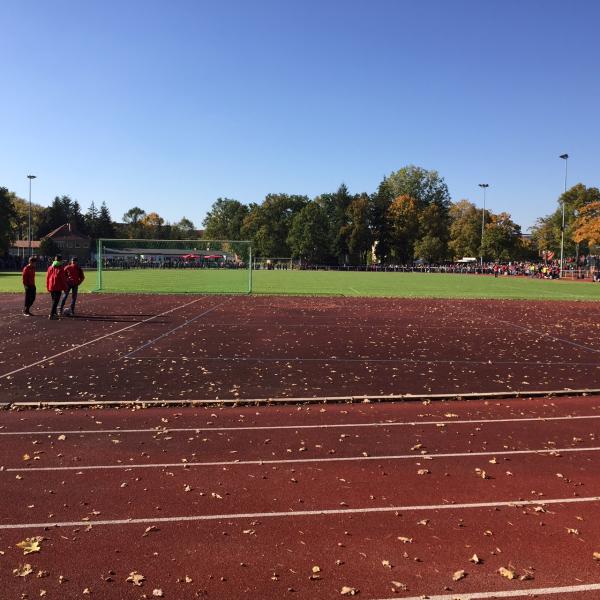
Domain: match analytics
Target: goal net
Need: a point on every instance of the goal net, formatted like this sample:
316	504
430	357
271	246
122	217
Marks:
175	266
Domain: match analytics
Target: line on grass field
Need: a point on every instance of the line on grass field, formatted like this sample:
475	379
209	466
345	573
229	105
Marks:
329	459
166	333
549	335
165	430
304	513
102	337
364	360
529	592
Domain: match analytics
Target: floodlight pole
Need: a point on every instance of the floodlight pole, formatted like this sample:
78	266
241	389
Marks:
484	186
30	177
565	157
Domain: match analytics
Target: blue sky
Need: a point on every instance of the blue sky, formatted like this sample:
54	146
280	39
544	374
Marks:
169	105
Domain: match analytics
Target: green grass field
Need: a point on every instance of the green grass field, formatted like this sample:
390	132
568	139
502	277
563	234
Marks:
411	285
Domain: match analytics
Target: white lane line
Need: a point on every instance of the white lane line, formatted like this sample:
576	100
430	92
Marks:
568	589
185	324
165	430
274	461
304	513
549	335
102	337
338	359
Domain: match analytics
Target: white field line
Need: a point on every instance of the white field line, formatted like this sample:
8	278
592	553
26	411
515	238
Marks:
549	335
337	359
166	430
328	459
530	592
354	290
102	337
170	331
303	513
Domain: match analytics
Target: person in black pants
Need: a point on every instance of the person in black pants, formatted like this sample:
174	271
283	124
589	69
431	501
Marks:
56	284
29	285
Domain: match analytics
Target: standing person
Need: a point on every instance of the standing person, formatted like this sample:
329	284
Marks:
56	283
29	285
75	277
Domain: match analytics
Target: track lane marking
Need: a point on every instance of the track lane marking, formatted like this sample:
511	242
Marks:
166	333
279	461
568	589
102	337
334	359
549	335
166	430
304	513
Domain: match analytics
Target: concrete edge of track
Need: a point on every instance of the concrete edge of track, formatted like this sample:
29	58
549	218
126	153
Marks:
366	398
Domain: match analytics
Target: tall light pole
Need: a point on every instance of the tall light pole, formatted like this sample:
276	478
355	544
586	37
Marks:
565	157
484	186
30	177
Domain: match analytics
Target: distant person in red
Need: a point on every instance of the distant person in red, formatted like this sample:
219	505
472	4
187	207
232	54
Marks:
29	285
56	284
75	277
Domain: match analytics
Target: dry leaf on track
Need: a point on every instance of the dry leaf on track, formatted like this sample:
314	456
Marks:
348	591
29	545
136	578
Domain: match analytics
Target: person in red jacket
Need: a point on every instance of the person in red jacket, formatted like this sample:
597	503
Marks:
75	277
56	283
29	285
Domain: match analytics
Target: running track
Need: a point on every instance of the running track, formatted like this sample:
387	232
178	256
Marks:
244	502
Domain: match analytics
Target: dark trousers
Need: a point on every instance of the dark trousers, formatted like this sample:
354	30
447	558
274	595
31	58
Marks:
55	300
29	296
73	289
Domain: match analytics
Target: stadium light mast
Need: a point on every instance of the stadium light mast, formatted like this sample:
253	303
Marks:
484	186
565	157
30	177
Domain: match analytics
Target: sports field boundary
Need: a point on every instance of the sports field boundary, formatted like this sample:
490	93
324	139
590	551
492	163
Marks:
353	399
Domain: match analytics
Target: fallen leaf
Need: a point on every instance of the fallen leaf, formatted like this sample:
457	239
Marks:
136	578
458	575
29	545
23	570
158	593
475	559
508	573
386	564
348	591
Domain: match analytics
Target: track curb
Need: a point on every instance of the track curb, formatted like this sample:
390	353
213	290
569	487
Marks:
352	399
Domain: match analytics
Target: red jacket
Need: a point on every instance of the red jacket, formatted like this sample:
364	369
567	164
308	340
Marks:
56	280
75	274
29	276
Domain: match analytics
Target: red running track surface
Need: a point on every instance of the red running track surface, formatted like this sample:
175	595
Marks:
116	484
196	347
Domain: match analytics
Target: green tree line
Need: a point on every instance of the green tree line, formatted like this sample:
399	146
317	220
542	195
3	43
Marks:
409	217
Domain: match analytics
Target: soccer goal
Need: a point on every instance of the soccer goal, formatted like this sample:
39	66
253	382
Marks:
174	266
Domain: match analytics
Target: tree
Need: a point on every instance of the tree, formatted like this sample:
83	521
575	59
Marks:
268	224
7	220
48	247
501	238
336	213
21	219
426	187
547	230
185	229
132	220
587	226
62	210
309	234
91	221
151	226
357	233
104	226
465	229
379	205
432	245
225	219
403	218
